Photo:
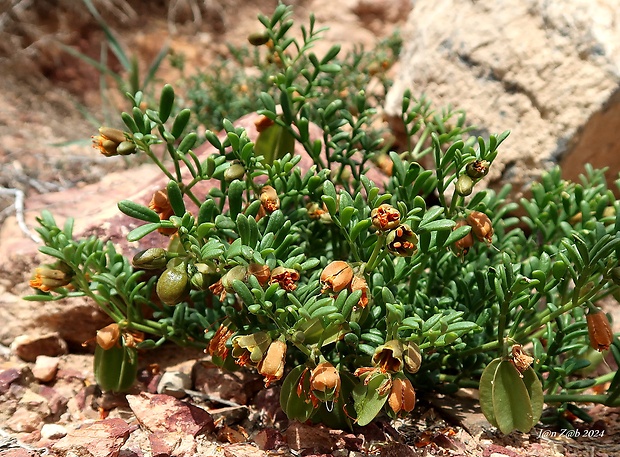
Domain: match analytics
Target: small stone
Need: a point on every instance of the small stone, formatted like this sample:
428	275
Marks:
309	437
35	402
269	439
53	431
45	368
28	347
230	414
7	377
98	439
24	421
174	383
243	450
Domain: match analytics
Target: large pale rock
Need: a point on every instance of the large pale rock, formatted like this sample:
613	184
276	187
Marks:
547	71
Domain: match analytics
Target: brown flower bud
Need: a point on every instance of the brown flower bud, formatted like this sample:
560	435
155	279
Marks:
286	277
481	226
217	345
108	336
402	395
109	140
269	199
385	217
261	272
477	169
402	241
325	382
161	205
520	359
272	365
250	349
389	357
599	330
359	283
464	244
336	276
263	123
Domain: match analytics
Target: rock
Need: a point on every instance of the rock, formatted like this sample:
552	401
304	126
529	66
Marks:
302	437
56	402
24	420
19	452
164	413
395	449
8	377
174	383
45	368
53	431
546	71
215	382
98	439
243	450
35	402
29	347
229	414
269	439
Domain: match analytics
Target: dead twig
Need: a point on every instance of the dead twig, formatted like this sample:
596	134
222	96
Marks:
19	211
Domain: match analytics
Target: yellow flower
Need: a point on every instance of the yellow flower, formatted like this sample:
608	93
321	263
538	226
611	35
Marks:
389	357
46	279
250	349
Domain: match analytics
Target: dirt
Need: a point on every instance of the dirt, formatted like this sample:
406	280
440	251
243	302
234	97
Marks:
50	104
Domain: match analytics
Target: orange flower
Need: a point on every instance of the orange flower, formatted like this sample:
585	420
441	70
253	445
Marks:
109	140
402	395
217	345
389	357
599	330
325	382
161	205
47	279
481	226
269	199
336	276
464	244
286	277
108	336
359	283
261	272
272	365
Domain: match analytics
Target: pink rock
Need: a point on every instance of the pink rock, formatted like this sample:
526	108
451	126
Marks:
24	420
243	450
99	439
29	347
167	414
8	377
45	368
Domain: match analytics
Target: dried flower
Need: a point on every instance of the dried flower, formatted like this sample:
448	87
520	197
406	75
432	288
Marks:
520	359
389	357
477	169
385	217
402	241
336	276
269	199
46	279
108	336
217	345
359	283
464	244
261	272
272	365
325	382
599	330
286	277
250	349
402	395
481	226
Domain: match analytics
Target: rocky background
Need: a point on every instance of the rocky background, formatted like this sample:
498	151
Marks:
547	71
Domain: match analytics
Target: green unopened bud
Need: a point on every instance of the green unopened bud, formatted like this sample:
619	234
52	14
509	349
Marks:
615	275
235	171
126	147
258	38
150	259
477	169
173	285
464	185
413	357
239	272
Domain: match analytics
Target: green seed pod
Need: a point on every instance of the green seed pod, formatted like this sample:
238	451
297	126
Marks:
258	38
116	368
150	259
173	285
351	339
464	185
413	357
126	148
235	171
615	275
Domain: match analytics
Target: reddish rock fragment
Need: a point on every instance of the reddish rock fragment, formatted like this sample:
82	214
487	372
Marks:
45	368
99	439
309	437
24	421
269	439
20	452
7	377
57	403
395	449
28	347
167	414
243	450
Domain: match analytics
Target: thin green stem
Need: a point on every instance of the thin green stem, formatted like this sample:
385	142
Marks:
374	257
